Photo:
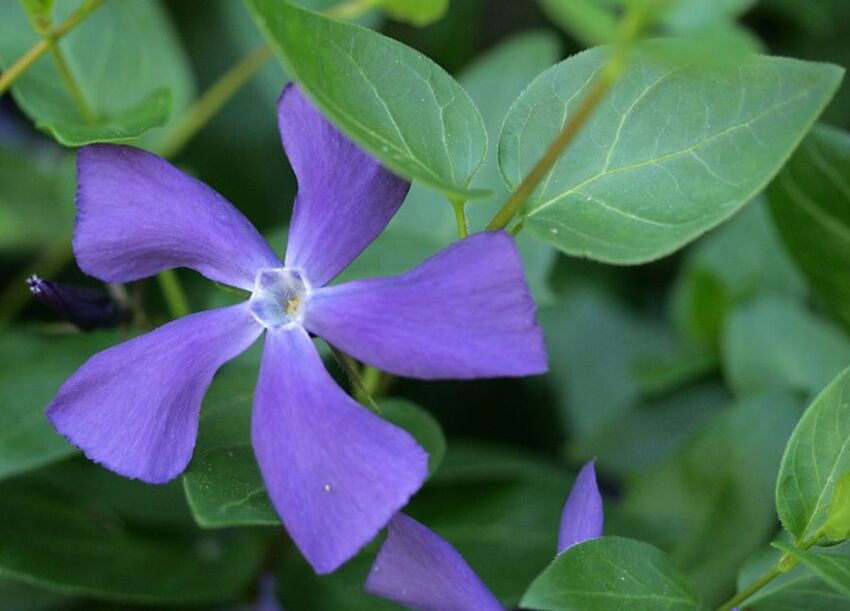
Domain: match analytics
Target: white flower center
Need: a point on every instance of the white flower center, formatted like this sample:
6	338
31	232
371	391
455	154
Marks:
279	297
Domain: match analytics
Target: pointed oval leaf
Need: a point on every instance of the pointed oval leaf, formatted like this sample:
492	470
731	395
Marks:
393	101
610	574
818	453
837	526
833	568
671	152
810	204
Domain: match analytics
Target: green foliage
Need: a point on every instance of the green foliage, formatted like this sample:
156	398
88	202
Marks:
810	203
834	569
818	453
416	118
590	21
32	368
78	539
609	574
837	525
132	86
666	156
417	12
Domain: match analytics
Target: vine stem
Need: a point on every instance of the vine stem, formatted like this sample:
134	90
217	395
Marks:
459	206
754	587
70	81
213	99
571	129
30	57
175	298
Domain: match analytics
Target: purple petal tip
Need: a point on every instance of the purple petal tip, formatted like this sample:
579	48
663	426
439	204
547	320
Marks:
583	517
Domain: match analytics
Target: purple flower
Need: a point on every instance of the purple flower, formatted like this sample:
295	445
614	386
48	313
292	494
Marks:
419	569
86	308
336	473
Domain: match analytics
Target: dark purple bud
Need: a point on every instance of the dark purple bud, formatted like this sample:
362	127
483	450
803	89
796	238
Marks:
86	308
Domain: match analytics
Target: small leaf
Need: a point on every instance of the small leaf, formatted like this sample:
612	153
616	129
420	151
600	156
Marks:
592	22
832	568
40	14
776	343
417	12
131	84
671	152
393	101
610	574
817	454
837	525
810	204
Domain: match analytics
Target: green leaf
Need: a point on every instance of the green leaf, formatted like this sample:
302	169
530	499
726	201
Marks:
690	15
834	569
223	483
810	203
711	504
837	525
131	84
78	541
776	343
36	200
32	368
417	12
426	223
671	152
592	22
393	101
609	574
739	261
817	454
40	14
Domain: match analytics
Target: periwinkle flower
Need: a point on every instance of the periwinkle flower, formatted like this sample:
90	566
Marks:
335	472
85	308
419	569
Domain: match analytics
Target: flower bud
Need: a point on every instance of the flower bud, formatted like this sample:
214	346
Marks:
86	308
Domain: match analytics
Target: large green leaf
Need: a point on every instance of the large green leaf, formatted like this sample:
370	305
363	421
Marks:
810	202
426	222
832	568
393	101
711	504
776	343
671	152
32	368
59	533
131	83
610	574
223	483
818	453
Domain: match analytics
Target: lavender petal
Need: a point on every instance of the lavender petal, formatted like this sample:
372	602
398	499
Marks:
138	215
582	517
421	570
464	313
345	197
336	473
134	407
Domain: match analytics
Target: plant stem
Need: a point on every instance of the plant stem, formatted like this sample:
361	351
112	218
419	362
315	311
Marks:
754	587
571	129
351	10
213	99
459	206
30	57
175	298
70	81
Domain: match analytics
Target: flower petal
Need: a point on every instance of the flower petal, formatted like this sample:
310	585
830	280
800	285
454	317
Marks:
137	215
421	570
336	473
345	197
464	313
134	407
583	516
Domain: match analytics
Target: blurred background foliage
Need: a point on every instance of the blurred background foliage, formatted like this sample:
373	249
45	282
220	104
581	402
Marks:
683	377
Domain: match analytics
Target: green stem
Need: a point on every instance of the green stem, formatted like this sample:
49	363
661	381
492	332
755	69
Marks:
175	298
30	57
371	380
459	206
349	366
213	100
70	81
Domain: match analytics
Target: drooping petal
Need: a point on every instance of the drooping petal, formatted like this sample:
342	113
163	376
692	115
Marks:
583	516
421	570
464	313
336	473
134	407
345	197
137	215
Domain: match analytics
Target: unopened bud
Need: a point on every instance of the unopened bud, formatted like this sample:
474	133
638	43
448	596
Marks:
85	308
